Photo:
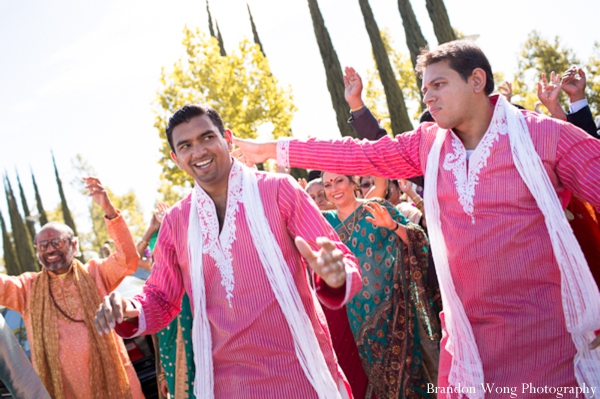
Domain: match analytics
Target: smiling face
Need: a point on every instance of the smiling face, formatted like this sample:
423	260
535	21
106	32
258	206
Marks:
339	189
449	98
202	152
316	190
55	248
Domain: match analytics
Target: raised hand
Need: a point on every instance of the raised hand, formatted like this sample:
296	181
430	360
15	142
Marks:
506	90
573	83
548	92
328	262
251	152
380	216
113	310
353	88
100	196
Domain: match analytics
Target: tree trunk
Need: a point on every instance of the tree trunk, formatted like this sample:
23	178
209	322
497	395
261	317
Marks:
441	22
333	70
393	93
415	40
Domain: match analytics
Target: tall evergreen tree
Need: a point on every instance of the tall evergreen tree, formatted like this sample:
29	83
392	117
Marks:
220	39
63	200
28	220
210	22
255	32
38	199
23	241
441	22
11	262
415	40
333	70
212	31
395	99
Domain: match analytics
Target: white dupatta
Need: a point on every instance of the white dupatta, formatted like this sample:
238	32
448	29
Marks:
580	297
281	280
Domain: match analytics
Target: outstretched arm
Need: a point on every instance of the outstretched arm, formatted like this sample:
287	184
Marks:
389	158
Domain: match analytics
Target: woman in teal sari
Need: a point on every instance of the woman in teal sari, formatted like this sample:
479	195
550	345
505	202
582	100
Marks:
394	318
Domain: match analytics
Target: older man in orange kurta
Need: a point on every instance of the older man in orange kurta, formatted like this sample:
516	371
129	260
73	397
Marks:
72	360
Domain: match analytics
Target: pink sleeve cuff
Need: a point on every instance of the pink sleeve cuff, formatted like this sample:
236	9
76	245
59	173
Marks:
334	298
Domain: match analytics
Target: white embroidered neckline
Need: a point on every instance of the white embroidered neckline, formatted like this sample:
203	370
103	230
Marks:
218	246
456	161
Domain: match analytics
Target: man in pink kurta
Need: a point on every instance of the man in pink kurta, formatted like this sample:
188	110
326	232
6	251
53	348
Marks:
253	351
499	250
15	293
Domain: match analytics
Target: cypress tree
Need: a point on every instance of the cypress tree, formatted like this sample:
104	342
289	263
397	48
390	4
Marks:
220	39
210	22
393	93
333	70
29	222
63	200
415	40
38	199
255	32
11	262
441	22
212	31
23	242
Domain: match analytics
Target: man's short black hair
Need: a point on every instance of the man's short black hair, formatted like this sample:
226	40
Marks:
463	56
189	112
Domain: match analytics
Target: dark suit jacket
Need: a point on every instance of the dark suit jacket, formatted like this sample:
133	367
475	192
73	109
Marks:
583	119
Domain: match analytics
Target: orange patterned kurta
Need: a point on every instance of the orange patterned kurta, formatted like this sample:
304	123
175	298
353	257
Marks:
73	352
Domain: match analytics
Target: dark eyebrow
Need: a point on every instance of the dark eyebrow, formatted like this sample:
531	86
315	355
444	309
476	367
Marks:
179	143
431	82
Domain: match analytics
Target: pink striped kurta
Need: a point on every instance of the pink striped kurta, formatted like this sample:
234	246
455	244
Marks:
500	254
253	349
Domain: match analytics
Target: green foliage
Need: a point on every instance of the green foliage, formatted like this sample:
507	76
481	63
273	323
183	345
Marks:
128	204
30	223
38	199
405	75
593	80
68	218
56	214
540	55
21	237
240	86
11	261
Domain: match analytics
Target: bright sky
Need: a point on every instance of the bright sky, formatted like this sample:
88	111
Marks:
80	77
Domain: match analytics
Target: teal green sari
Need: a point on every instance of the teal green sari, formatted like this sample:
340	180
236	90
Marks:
176	355
396	309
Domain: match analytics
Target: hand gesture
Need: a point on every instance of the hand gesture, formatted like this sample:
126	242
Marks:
353	88
113	309
573	83
302	181
380	216
406	187
328	262
548	93
506	90
159	213
251	152
100	196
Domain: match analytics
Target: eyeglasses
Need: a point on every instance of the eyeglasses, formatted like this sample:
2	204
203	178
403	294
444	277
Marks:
366	185
57	243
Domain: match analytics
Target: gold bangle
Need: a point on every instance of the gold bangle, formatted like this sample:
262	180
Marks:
357	109
144	242
161	377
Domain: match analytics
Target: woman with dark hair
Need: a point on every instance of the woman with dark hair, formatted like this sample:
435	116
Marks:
394	317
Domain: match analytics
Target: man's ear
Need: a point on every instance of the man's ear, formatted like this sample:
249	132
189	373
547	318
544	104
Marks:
228	138
478	78
174	158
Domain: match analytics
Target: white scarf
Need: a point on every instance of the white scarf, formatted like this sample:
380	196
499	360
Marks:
281	280
580	297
